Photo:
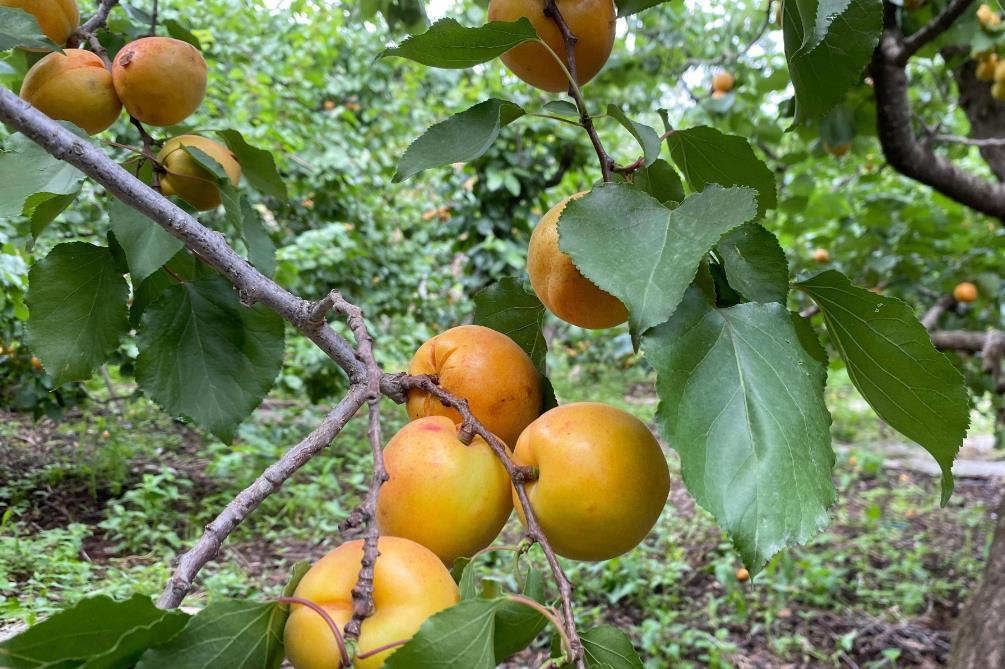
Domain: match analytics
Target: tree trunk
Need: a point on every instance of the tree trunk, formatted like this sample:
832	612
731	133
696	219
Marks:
980	634
986	115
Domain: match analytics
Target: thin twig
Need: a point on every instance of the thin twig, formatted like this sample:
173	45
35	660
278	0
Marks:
938	25
969	141
153	20
251	497
92	24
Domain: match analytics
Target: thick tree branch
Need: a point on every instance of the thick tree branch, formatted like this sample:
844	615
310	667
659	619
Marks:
900	144
95	22
938	25
251	497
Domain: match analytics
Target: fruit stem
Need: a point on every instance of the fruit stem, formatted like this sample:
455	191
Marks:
381	649
336	632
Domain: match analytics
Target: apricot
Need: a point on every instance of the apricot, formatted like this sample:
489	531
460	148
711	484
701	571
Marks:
409	585
485	367
560	286
837	150
965	292
591	21
57	18
998	90
450	497
160	80
822	256
189	180
75	88
602	482
986	67
742	575
723	81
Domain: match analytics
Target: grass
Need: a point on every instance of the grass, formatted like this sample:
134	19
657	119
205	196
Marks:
102	502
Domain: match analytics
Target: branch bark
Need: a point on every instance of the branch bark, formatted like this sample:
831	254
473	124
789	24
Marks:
250	498
900	144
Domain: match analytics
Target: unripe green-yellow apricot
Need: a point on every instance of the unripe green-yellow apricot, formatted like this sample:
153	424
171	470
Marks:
57	18
189	180
160	80
75	87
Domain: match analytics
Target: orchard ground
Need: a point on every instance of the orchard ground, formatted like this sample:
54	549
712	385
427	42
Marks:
101	501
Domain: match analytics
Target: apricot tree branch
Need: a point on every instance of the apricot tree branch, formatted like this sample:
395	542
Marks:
551	11
938	25
251	497
98	20
519	476
362	592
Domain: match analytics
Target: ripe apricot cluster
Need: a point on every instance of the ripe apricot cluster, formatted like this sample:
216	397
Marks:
160	81
992	68
988	18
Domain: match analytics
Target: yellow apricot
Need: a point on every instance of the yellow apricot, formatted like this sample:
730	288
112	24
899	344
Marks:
409	585
985	70
189	180
75	87
485	367
998	90
57	18
723	81
965	292
160	80
837	150
822	256
602	479
560	286
450	497
591	21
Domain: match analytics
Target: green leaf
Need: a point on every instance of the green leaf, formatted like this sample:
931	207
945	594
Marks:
183	265
755	264
461	636
510	306
450	45
462	137
226	635
707	156
257	165
297	574
205	356
827	46
607	646
643	253
742	402
629	7
26	169
261	250
180	32
147	245
662	182
43	208
18	28
517	625
562	108
893	363
100	628
645	135
77	301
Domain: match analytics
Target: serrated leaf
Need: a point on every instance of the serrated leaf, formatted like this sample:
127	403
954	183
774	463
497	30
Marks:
261	250
462	137
26	169
661	181
18	28
893	363
607	646
512	307
43	208
827	46
226	635
643	253
755	264
205	356
257	165
450	45
132	645
645	135
77	302
461	636
147	245
183	265
742	402
629	7
93	628
706	156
